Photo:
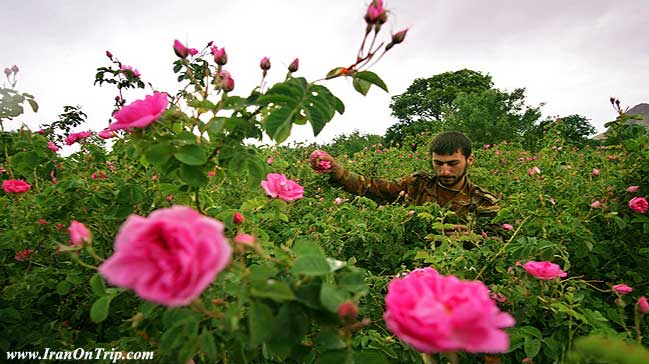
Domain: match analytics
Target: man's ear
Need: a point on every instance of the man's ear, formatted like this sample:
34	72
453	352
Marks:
469	161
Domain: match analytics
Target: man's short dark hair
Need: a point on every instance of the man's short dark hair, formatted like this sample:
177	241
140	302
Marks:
449	142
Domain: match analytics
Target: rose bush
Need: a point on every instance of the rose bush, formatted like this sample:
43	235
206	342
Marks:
308	277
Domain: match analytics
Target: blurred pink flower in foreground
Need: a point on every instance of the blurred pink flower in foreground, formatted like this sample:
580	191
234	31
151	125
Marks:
140	113
169	257
278	186
622	289
79	233
544	270
436	313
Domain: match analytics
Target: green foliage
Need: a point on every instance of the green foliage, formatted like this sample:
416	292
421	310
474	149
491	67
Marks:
573	129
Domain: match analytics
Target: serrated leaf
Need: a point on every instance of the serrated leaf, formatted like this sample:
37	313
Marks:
97	285
132	194
193	176
33	104
331	297
258	318
372	78
361	86
99	309
193	155
531	346
279	123
208	346
273	289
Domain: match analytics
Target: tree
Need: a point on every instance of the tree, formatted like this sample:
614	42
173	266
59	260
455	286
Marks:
428	99
573	129
491	116
463	100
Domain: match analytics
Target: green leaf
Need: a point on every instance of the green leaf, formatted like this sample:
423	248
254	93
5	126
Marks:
99	309
361	86
33	104
331	297
273	289
63	287
193	155
258	318
310	260
329	340
372	78
279	123
531	346
132	194
97	285
159	154
193	176
208	346
334	72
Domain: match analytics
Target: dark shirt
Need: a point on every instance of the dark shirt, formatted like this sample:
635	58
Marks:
422	187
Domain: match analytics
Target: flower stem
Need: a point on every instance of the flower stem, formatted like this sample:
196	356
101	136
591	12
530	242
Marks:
428	359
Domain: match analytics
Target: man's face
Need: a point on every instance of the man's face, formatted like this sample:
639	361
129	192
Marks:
451	169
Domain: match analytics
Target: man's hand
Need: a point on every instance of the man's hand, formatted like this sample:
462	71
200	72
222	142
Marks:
457	230
322	162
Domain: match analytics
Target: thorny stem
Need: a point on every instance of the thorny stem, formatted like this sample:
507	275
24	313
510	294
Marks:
502	249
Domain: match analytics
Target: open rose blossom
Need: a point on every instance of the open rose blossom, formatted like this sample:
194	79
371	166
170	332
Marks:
320	166
436	313
15	186
140	113
169	257
544	270
639	204
75	137
278	186
622	289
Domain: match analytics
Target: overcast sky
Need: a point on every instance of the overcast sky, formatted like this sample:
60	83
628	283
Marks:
570	55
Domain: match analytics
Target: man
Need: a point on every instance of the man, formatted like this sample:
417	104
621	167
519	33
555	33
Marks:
450	187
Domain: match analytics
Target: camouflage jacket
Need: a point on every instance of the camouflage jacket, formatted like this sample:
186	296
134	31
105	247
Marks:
420	188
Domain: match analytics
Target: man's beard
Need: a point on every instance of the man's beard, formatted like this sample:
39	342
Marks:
448	182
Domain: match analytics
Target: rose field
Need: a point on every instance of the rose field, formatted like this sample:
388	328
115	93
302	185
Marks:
176	230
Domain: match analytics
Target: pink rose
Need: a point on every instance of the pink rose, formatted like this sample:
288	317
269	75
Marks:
245	239
544	270
51	146
75	137
320	166
595	205
23	255
264	64
180	49
220	56
643	305
375	12
170	257
270	160
508	227
193	51
633	189
622	289
106	134
42	222
338	200
498	297
140	113
15	186
436	313
211	173
595	172
639	204
79	233
278	186
126	70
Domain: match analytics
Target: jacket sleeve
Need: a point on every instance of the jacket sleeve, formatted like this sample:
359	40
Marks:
358	184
